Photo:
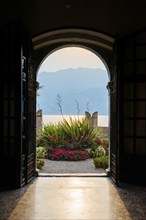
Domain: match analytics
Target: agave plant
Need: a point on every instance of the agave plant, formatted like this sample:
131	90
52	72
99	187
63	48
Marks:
72	134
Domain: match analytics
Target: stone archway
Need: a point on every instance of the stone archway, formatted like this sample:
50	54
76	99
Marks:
99	43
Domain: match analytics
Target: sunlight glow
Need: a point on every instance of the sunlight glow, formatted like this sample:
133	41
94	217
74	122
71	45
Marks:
71	57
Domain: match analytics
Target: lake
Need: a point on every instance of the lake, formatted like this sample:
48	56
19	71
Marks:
103	120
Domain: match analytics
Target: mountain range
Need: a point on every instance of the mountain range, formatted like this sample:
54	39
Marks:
75	90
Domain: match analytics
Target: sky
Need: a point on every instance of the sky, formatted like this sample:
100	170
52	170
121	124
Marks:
70	57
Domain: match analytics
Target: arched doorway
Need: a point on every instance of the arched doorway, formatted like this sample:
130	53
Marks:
69	66
101	44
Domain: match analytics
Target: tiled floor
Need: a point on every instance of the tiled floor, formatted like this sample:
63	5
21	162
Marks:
73	198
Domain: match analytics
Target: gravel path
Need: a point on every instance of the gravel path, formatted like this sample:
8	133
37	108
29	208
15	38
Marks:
85	166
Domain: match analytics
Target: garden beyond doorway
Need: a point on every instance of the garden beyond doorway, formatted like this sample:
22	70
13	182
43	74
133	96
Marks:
75	147
77	141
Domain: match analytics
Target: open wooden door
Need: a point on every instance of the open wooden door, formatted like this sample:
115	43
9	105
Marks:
133	108
31	117
114	113
17	130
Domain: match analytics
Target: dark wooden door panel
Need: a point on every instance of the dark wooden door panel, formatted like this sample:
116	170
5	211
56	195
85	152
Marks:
17	112
113	92
133	108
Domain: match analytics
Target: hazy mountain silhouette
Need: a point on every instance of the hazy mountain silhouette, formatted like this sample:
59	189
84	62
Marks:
82	85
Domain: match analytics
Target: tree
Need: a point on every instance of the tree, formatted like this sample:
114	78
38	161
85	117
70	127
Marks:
38	87
59	103
78	107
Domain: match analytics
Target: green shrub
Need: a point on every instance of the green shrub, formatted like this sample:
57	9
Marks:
40	152
101	162
97	152
100	151
70	135
40	163
91	152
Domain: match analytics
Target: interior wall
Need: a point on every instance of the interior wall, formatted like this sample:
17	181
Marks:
112	16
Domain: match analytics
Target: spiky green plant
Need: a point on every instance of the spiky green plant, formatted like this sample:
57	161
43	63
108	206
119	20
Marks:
72	134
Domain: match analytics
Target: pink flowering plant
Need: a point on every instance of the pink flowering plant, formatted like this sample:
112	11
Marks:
67	155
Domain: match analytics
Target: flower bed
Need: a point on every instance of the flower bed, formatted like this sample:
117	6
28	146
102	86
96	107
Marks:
72	141
68	155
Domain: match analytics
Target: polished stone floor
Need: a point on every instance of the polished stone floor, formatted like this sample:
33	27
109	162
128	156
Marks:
73	198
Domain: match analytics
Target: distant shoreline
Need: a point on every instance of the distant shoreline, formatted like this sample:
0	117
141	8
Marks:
103	120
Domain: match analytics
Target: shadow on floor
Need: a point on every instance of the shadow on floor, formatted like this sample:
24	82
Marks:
134	199
9	199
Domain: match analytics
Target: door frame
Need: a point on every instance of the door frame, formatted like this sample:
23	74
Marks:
102	45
